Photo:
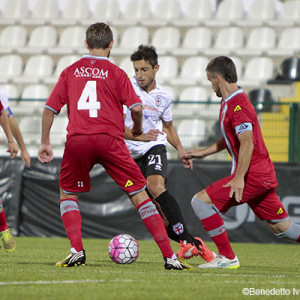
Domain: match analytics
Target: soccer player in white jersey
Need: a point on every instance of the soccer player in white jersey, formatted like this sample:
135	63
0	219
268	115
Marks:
8	240
15	129
149	149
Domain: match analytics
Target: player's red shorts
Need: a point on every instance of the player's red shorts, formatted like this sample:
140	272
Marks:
263	200
82	152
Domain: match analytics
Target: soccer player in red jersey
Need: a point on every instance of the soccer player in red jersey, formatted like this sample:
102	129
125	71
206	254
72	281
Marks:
253	179
9	243
95	91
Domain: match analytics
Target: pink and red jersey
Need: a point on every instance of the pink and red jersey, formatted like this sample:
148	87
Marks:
94	91
238	115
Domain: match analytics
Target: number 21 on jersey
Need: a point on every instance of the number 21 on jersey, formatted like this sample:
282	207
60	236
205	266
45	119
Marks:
88	99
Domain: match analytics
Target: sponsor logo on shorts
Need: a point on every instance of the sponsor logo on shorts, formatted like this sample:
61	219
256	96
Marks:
129	183
280	211
237	108
158	167
178	228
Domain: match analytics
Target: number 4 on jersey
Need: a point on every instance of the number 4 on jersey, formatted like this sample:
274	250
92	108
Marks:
88	99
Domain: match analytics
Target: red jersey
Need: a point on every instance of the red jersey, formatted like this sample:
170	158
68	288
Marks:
1	107
94	90
238	115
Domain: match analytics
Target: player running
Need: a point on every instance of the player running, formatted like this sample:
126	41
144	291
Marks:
149	149
253	179
9	243
95	91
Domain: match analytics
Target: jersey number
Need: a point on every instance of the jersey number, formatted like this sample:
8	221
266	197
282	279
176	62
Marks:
154	159
88	99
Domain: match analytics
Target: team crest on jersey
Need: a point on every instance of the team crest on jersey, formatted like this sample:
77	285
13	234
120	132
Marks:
129	183
237	108
280	211
158	101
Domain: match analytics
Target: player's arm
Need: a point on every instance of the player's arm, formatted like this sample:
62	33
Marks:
245	153
173	139
209	150
151	135
137	118
45	153
18	136
12	146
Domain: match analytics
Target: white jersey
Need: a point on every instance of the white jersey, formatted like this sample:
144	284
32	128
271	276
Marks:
157	106
3	98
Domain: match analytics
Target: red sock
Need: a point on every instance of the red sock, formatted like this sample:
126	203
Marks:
71	218
156	227
214	226
3	223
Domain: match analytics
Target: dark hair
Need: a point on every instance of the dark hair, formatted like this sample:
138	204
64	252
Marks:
99	35
224	66
147	53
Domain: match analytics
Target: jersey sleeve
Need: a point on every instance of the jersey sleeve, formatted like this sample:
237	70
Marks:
1	108
241	119
59	95
127	93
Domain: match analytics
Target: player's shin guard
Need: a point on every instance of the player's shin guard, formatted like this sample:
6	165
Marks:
3	223
293	233
71	218
155	225
176	229
214	225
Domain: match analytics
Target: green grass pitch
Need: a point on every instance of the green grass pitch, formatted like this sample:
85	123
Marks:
29	273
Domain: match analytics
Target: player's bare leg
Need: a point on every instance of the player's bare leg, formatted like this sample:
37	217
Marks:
285	230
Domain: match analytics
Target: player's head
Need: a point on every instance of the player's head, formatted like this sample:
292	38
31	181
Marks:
99	36
221	67
145	65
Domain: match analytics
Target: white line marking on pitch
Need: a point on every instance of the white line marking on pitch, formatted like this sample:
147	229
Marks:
50	282
244	275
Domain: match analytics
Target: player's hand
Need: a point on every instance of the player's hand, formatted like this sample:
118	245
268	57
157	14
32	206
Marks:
45	153
26	158
188	163
151	135
136	131
236	185
12	149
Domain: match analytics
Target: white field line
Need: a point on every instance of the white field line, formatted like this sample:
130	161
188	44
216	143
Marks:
50	282
243	275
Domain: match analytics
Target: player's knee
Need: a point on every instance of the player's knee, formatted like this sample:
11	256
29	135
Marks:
292	233
202	209
156	189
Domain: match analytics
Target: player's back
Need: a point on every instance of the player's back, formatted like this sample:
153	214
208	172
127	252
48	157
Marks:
94	90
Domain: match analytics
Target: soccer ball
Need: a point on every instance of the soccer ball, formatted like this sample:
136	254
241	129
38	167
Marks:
123	249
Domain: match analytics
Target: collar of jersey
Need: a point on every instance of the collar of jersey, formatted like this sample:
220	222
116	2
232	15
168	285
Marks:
239	91
95	57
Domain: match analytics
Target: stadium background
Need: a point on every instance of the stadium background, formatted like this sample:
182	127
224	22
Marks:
39	38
